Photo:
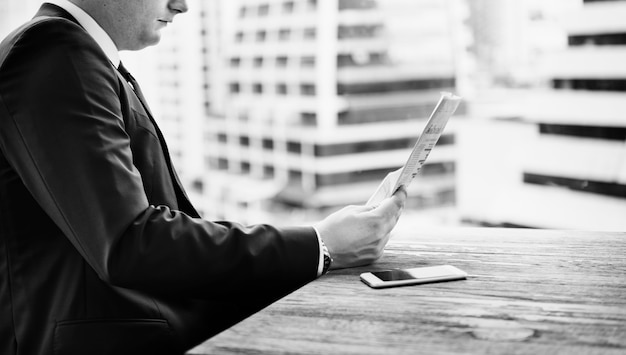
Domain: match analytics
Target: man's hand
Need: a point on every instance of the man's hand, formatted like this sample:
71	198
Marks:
357	235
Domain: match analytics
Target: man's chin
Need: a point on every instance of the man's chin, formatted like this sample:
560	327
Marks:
145	42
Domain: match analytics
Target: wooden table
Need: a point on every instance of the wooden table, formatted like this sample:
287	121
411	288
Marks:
529	292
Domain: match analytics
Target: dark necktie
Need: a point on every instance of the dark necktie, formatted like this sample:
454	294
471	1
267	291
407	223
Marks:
133	82
184	201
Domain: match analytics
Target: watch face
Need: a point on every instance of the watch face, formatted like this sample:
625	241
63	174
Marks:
327	259
327	262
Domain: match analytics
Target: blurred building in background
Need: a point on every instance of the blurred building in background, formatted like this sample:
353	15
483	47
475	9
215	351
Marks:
282	110
510	36
554	156
322	100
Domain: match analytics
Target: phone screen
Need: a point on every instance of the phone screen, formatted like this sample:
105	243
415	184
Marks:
393	275
416	273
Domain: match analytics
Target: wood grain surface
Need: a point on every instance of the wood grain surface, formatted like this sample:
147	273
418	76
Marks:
529	292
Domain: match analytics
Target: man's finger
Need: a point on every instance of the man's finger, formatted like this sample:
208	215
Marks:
391	206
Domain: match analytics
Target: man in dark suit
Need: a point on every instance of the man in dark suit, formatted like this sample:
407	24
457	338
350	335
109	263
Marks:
101	251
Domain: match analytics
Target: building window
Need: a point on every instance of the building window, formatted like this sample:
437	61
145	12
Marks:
309	33
281	89
434	169
328	150
388	114
284	34
590	84
245	167
359	31
357	4
363	59
234	88
239	36
222	164
294	147
264	9
268	172
281	61
235	62
244	141
258	61
308	118
307	89
345	60
267	143
594	132
197	185
605	188
351	177
288	7
395	86
242	11
261	35
243	116
257	88
295	175
378	58
607	39
307	61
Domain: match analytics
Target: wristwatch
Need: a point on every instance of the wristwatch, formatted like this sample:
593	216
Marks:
327	259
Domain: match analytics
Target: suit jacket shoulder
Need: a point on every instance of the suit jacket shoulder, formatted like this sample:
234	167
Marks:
37	30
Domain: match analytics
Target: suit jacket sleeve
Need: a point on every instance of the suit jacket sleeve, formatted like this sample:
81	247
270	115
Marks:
62	131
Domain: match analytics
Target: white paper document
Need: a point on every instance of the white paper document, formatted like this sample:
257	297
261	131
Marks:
446	106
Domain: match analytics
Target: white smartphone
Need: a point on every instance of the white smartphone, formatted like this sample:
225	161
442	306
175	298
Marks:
420	275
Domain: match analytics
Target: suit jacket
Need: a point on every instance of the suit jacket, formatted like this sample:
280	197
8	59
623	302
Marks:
101	252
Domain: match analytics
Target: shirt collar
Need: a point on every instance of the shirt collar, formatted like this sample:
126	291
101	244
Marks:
92	27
